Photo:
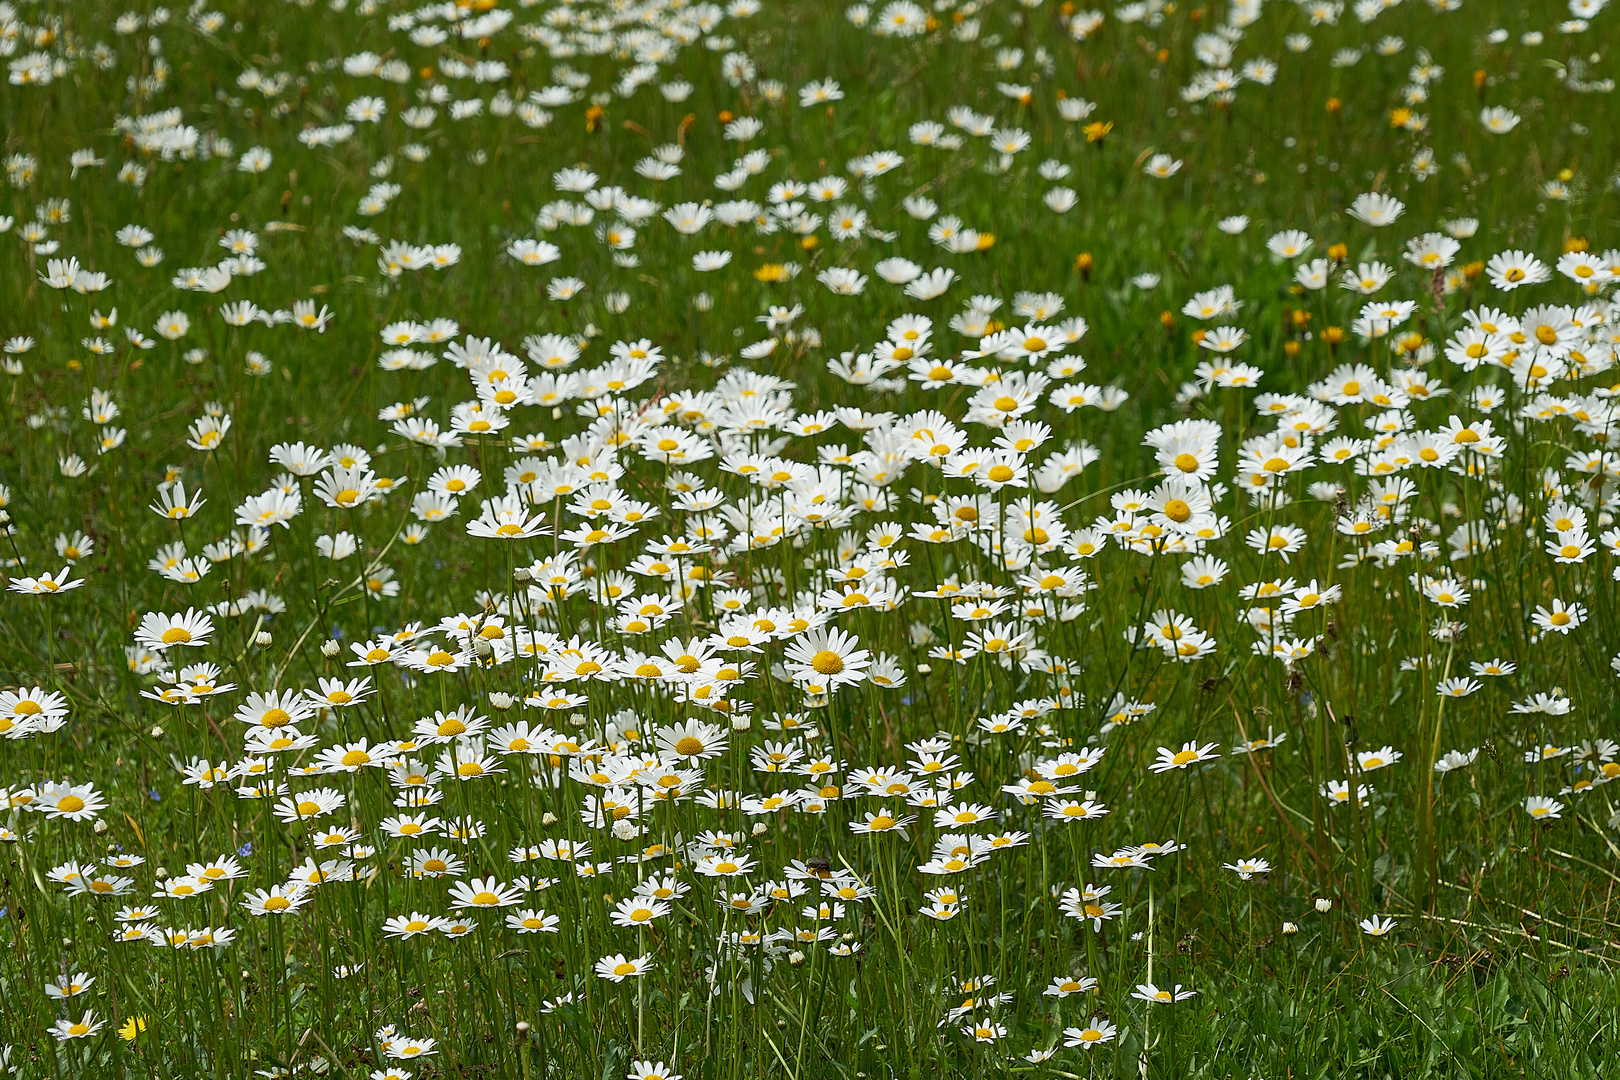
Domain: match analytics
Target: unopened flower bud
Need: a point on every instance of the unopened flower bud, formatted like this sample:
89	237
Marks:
1290	928
1323	904
329	648
760	828
499	699
263	639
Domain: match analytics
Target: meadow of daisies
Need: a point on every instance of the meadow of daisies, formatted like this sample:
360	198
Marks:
656	539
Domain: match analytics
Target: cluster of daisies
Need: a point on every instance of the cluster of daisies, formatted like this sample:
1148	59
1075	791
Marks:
810	631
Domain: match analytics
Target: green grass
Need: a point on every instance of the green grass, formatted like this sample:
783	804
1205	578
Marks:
1502	956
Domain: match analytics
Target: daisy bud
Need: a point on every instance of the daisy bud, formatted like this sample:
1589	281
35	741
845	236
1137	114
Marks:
263	639
1323	904
522	1027
795	958
157	731
522	576
329	648
741	723
500	700
101	826
481	647
549	818
760	828
925	669
1290	928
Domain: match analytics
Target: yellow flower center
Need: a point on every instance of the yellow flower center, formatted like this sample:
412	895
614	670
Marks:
827	662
